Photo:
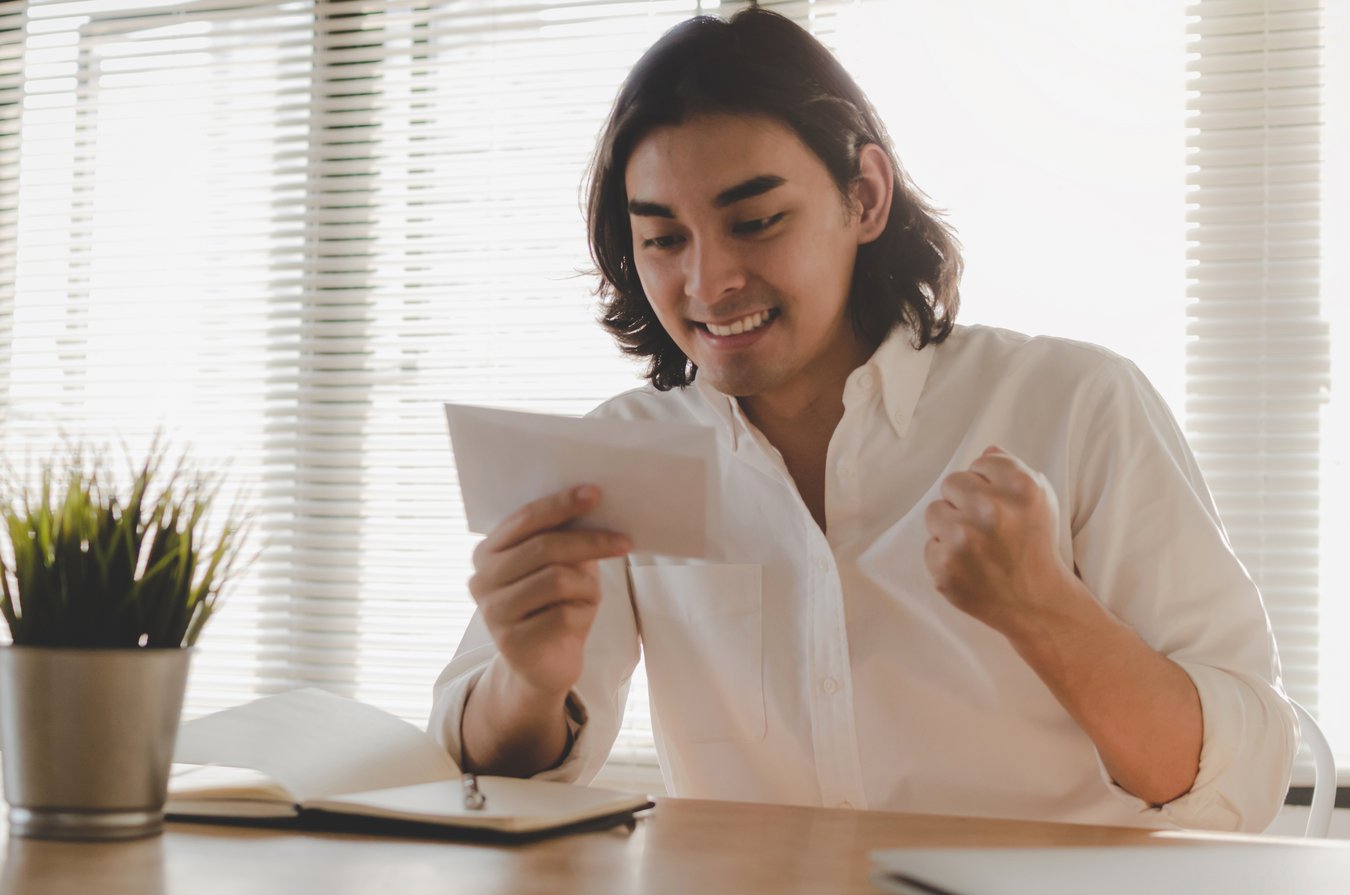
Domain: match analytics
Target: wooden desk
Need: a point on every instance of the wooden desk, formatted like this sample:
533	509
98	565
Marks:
684	847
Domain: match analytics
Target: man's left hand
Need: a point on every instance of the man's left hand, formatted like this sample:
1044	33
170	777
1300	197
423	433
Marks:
993	546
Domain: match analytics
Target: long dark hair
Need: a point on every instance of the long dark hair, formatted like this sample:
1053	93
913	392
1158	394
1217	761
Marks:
761	63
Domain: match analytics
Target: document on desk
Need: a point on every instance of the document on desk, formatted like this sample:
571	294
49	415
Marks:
1169	868
654	476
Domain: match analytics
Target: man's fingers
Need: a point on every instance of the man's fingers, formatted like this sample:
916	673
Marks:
547	624
540	515
538	591
961	488
999	466
549	548
939	517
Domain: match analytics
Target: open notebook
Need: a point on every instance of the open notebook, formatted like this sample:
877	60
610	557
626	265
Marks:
307	753
1238	868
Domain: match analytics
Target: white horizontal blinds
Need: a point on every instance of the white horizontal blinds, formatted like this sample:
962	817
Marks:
446	165
11	98
287	231
1258	358
472	238
158	259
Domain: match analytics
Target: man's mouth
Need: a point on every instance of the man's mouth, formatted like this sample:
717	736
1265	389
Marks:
748	323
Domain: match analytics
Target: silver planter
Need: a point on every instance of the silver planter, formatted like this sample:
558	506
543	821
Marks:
87	738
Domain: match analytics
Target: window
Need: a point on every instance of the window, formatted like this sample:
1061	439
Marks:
285	232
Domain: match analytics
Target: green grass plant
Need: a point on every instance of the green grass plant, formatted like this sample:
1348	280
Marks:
89	567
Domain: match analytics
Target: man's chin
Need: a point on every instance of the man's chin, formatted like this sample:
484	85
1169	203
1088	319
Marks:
737	383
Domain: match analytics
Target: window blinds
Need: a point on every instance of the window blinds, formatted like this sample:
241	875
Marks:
1258	356
285	232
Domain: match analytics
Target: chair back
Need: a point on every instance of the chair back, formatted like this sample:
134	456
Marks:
1324	779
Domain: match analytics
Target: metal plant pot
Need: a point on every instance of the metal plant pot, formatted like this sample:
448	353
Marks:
87	737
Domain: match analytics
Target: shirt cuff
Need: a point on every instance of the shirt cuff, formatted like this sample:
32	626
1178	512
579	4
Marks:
1223	787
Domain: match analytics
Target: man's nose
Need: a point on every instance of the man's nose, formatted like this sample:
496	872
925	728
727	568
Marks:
713	268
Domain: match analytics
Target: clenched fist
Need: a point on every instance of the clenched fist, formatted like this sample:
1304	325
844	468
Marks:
993	547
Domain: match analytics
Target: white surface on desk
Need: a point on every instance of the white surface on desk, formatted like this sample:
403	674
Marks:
1218	869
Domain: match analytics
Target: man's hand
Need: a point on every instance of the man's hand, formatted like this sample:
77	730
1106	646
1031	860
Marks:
538	587
993	546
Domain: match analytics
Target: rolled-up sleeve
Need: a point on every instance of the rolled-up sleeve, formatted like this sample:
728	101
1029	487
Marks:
1149	544
595	705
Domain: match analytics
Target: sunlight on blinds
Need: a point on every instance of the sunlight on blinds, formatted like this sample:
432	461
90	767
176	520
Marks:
1334	665
150	264
1259	358
285	232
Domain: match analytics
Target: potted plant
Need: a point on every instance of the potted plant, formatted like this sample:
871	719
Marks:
105	589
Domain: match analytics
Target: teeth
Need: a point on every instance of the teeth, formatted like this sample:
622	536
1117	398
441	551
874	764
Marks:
744	325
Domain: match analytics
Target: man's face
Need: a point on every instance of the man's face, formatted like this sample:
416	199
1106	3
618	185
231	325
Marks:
745	249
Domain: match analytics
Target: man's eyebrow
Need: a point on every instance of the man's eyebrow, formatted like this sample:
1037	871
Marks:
755	186
644	209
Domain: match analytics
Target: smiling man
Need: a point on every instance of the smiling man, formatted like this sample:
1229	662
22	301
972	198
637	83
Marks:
960	570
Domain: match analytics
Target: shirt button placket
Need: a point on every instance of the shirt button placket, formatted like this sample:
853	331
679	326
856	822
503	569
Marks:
830	662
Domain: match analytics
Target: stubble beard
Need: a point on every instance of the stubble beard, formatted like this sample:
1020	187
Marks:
741	378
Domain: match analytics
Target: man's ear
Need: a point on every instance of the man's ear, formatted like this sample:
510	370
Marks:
873	191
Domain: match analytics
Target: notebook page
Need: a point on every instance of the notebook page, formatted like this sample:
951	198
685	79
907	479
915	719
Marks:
313	743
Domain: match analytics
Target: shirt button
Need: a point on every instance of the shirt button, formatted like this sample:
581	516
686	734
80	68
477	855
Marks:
899	417
823	564
866	380
845	471
830	685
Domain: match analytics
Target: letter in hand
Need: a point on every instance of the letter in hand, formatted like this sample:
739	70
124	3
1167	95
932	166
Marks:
538	588
993	547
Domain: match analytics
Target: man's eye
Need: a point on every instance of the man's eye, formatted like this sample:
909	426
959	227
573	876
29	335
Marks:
660	242
758	225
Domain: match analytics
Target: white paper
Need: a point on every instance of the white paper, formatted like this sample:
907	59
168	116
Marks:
653	476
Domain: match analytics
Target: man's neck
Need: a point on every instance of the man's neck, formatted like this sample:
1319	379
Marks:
808	411
800	422
799	419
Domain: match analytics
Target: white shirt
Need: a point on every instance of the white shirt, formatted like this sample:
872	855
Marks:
823	668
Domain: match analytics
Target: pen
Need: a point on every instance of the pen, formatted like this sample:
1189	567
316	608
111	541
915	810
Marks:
917	885
474	800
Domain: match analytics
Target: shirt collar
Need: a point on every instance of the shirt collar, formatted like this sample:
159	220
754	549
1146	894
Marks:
900	370
727	409
896	367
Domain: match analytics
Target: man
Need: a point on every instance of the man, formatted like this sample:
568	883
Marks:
959	570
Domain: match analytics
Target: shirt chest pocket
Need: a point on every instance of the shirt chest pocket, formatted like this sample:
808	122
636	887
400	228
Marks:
702	640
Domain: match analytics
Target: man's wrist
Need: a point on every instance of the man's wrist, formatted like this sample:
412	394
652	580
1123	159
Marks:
1065	614
510	727
517	698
